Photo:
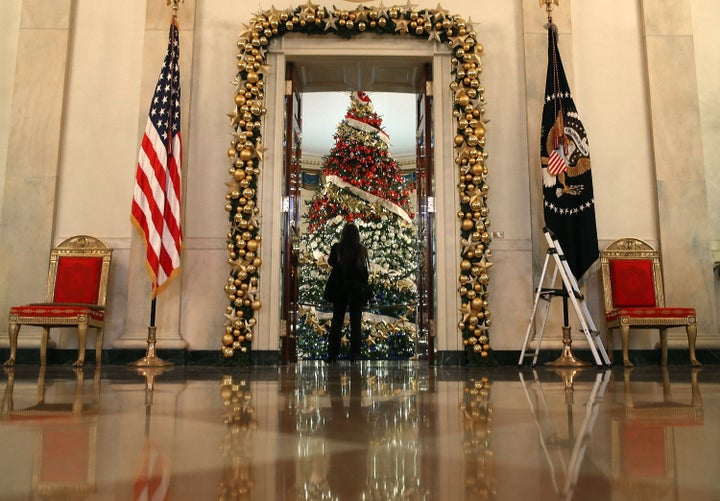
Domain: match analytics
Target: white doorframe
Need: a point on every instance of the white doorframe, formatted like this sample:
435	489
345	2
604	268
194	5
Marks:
271	178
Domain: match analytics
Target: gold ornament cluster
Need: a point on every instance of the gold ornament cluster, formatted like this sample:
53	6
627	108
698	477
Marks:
246	151
470	157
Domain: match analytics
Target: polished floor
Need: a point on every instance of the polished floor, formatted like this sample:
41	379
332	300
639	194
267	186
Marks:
367	430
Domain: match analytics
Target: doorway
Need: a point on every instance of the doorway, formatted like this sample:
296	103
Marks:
400	323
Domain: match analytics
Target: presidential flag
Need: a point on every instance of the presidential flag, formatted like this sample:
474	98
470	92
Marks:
156	199
569	205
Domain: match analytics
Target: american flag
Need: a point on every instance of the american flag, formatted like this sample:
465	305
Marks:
557	163
156	199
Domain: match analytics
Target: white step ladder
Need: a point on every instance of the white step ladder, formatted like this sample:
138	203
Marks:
570	290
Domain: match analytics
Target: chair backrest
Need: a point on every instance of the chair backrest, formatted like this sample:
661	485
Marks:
79	271
632	275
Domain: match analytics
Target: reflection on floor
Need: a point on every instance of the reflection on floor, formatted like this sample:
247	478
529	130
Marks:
368	430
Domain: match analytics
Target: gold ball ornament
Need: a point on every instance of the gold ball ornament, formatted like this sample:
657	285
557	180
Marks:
245	155
253	245
476	304
476	170
463	100
227	339
467	224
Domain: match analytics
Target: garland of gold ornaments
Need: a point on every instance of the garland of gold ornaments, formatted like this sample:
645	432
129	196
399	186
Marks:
246	151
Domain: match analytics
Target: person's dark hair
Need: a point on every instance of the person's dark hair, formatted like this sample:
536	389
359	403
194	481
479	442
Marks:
350	250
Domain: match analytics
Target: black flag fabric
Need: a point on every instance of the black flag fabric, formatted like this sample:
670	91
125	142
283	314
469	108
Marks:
569	205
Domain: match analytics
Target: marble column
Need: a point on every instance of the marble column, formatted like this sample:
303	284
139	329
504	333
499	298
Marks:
168	313
684	238
33	155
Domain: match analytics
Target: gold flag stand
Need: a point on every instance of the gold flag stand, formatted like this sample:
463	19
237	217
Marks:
151	359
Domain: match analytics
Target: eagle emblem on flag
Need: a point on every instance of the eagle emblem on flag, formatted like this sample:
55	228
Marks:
569	155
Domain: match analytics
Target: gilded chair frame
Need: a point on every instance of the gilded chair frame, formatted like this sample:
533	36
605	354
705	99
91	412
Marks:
51	314
636	249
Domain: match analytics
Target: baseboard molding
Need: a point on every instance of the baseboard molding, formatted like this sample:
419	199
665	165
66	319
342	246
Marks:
213	358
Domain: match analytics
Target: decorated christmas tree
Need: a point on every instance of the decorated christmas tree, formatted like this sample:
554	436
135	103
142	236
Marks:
361	183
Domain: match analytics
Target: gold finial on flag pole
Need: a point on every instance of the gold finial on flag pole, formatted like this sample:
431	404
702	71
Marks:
548	7
176	6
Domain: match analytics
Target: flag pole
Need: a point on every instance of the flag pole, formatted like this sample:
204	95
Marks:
567	357
151	359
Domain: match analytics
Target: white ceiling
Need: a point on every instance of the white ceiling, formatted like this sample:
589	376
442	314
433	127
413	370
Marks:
323	111
326	83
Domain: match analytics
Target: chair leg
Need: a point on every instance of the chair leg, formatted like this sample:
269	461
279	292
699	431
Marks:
692	336
43	345
663	347
82	339
99	345
625	334
13	329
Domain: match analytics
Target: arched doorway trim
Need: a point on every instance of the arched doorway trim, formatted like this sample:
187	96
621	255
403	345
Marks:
257	101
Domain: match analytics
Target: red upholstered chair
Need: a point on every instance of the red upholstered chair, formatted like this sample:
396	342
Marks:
76	292
634	297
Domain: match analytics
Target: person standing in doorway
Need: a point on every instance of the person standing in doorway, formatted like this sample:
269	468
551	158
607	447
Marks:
349	259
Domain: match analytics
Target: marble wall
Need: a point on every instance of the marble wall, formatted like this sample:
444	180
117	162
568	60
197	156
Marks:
70	130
